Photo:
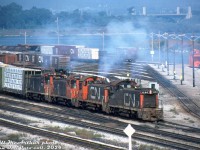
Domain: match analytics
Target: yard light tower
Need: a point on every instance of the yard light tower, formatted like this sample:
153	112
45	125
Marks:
58	38
174	62
152	50
167	48
193	73
174	65
159	49
25	37
103	41
182	60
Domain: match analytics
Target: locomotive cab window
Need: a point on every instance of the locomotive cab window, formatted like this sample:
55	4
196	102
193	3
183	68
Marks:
46	80
149	100
85	83
128	86
90	82
73	84
80	86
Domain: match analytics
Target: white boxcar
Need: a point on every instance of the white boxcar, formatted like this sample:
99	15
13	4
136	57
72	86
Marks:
15	79
88	53
46	50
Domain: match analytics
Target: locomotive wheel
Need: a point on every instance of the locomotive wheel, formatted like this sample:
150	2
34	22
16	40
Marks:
97	108
106	108
116	111
54	100
68	103
77	103
29	96
42	98
83	105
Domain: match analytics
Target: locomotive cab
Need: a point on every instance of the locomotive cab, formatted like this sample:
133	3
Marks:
73	86
149	105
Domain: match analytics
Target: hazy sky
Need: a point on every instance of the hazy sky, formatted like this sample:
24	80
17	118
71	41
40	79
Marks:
97	4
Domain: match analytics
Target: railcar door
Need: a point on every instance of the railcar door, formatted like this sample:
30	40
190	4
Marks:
72	89
85	90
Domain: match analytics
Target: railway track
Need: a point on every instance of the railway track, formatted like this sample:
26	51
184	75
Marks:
116	131
187	102
176	126
87	115
3	148
135	70
61	137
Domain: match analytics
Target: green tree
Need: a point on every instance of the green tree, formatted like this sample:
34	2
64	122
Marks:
11	16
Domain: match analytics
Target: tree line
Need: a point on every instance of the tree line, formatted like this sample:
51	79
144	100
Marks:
14	17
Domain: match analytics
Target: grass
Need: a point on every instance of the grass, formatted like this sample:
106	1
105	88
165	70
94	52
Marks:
31	144
174	111
83	133
44	144
191	121
150	147
14	137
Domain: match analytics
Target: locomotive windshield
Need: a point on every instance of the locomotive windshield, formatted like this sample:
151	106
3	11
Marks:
73	84
149	100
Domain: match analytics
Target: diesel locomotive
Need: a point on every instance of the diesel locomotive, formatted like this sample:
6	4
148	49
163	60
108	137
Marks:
88	92
118	97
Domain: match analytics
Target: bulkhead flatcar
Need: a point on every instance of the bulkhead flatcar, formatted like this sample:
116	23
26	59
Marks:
15	79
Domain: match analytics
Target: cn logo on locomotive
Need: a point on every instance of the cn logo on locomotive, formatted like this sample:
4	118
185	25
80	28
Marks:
95	93
129	99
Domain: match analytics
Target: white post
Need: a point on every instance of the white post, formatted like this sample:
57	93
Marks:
129	130
130	143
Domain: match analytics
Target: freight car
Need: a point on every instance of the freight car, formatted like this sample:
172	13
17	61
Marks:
119	97
29	53
15	79
196	58
42	60
8	58
127	53
118	55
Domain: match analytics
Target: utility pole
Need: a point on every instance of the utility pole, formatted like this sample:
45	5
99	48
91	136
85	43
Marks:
174	67
167	47
152	50
25	37
103	41
182	58
193	61
58	38
159	49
